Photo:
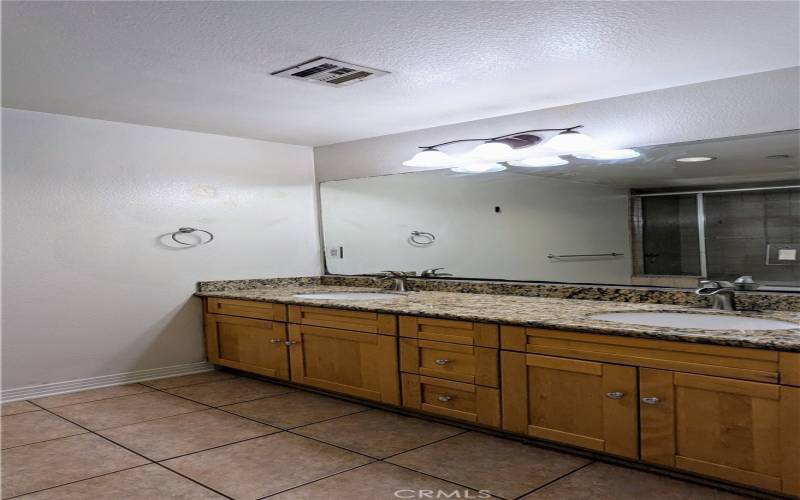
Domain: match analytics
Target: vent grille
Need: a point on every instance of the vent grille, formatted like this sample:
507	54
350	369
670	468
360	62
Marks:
326	71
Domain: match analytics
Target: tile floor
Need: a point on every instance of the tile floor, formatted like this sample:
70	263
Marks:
218	435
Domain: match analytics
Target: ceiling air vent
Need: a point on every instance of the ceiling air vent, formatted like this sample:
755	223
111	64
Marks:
330	72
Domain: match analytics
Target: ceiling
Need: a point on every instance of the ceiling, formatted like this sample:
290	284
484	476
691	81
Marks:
205	66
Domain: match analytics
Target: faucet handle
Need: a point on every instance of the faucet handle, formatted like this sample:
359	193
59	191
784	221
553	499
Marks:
433	272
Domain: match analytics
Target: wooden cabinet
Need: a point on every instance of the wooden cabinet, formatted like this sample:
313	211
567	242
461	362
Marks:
355	363
583	403
468	402
247	344
344	319
741	431
247	309
457	362
452	331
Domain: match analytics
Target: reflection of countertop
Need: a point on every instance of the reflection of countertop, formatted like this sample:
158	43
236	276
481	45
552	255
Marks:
562	314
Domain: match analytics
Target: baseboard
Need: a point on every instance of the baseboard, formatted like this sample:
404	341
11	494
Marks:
38	391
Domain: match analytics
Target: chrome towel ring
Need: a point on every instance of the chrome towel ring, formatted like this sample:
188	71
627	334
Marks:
421	238
189	230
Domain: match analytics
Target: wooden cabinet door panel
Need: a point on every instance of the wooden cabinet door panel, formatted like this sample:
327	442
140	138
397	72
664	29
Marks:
582	403
468	402
355	363
246	309
731	429
251	345
458	362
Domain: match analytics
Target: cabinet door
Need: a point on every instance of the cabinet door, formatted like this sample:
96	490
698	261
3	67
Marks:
741	431
251	345
582	403
355	363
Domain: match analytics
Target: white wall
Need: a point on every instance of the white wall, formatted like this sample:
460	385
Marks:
371	218
761	102
89	288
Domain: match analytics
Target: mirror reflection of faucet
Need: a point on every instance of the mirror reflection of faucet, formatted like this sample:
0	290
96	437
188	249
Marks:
433	273
721	293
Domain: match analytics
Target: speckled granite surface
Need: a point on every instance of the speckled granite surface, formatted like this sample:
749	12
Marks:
563	314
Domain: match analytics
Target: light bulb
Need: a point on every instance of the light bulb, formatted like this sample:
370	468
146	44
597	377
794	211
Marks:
695	159
570	141
609	154
478	168
491	151
541	161
430	158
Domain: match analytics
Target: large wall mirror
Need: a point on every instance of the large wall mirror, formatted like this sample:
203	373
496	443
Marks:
650	220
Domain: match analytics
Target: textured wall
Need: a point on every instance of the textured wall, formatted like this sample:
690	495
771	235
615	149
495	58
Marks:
761	102
89	288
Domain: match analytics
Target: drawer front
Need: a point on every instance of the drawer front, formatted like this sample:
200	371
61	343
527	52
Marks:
722	361
467	402
343	319
458	362
246	309
446	330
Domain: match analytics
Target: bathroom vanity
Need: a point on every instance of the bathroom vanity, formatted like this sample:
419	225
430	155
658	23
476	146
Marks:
719	403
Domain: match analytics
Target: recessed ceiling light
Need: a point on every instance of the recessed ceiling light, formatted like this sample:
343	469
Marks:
695	159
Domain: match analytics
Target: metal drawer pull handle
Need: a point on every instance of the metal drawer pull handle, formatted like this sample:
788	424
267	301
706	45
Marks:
615	395
275	341
442	361
290	342
445	398
651	401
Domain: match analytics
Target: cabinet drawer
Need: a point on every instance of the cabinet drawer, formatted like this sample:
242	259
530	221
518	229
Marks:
446	330
468	402
722	361
343	319
459	362
246	309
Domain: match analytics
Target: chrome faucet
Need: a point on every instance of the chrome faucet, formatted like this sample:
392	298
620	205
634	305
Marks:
721	293
398	279
433	273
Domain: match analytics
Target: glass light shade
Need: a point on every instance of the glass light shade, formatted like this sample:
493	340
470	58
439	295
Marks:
479	168
571	141
540	161
430	158
491	151
609	154
695	159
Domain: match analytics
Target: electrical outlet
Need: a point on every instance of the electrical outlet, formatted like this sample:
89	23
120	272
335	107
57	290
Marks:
335	252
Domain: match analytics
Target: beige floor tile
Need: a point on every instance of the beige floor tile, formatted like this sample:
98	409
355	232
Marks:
506	468
173	436
126	410
17	407
228	392
378	433
294	409
91	395
608	482
34	427
149	482
265	466
378	481
53	463
184	380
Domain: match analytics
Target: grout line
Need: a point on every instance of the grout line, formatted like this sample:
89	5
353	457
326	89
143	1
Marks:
150	389
47	440
78	481
194	481
559	478
160	461
320	479
424	445
435	477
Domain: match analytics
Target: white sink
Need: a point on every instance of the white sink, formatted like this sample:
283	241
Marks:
349	296
704	321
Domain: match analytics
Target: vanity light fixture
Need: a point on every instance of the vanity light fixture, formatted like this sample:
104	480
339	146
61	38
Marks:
540	161
570	141
695	159
494	149
478	168
609	154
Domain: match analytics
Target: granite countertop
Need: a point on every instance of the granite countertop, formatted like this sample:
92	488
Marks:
561	314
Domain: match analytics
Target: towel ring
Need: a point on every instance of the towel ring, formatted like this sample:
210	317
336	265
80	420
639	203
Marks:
189	230
421	238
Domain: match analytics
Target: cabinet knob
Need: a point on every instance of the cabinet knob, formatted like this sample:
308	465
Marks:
651	401
444	398
615	395
442	361
291	342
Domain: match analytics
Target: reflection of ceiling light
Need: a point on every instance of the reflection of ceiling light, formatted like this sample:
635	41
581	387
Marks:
570	141
542	161
609	154
491	151
430	158
695	159
479	168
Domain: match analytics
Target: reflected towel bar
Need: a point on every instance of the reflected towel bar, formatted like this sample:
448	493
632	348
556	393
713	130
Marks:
612	254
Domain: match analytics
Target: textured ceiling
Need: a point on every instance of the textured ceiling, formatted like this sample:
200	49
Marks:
205	66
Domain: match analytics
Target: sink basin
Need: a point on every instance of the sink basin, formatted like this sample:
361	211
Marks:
349	296
704	321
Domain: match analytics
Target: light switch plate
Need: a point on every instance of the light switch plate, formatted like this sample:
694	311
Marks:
783	254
